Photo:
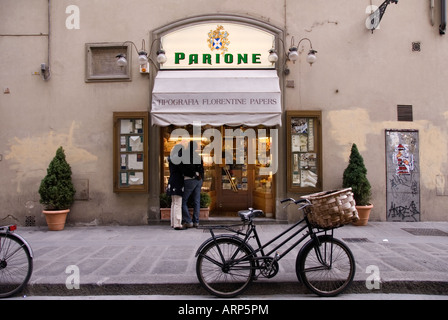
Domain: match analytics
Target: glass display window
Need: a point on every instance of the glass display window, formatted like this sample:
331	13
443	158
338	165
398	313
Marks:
304	151
236	162
130	164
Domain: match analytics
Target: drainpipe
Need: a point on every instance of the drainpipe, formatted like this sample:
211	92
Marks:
45	68
442	27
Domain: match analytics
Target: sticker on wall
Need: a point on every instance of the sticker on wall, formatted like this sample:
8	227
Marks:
403	159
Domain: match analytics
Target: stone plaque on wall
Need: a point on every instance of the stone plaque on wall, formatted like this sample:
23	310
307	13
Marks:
101	62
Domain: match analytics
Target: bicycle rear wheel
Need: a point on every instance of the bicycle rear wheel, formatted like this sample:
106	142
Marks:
225	267
326	266
16	265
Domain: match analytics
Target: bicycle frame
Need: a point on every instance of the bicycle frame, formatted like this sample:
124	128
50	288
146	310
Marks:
252	233
227	263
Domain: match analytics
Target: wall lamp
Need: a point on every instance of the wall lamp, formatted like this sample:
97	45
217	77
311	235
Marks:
293	53
273	57
143	57
161	57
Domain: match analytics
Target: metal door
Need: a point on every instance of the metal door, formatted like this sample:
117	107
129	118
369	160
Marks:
403	175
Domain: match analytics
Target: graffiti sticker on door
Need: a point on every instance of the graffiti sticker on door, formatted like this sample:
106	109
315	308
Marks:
403	159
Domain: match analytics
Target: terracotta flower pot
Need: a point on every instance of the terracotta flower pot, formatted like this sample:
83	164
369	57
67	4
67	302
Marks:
363	213
165	213
56	219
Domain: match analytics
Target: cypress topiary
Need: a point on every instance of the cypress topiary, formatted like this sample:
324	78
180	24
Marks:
355	176
56	189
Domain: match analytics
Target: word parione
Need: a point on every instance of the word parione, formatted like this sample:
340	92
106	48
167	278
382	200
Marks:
208	59
212	152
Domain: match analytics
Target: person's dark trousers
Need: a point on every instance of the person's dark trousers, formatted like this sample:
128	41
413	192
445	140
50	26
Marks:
192	188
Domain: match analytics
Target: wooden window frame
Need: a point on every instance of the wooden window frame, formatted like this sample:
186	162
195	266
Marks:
317	149
118	152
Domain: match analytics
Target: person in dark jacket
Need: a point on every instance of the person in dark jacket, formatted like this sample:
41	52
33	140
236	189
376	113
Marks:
175	189
193	172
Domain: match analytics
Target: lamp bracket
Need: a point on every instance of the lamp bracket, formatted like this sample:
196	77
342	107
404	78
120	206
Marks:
374	19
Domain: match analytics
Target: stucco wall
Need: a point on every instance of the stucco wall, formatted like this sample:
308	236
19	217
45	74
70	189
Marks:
357	82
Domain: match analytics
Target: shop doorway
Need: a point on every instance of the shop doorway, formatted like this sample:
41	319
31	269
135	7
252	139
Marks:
233	179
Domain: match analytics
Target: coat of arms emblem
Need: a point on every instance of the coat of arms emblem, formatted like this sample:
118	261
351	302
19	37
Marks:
218	39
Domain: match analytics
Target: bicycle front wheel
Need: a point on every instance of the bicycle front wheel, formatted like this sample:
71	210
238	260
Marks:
16	265
225	267
326	266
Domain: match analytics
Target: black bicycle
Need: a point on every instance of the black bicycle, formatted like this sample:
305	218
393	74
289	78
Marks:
226	263
16	262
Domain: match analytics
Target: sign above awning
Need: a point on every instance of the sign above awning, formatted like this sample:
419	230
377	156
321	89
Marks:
223	45
218	97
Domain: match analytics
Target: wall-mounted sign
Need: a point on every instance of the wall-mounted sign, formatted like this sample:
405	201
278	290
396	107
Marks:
218	46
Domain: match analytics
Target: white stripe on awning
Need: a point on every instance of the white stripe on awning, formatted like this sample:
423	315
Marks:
218	97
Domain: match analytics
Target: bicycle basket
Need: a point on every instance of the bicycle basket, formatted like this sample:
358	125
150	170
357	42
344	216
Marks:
332	209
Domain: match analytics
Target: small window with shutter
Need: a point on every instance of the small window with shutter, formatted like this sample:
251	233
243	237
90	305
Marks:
404	113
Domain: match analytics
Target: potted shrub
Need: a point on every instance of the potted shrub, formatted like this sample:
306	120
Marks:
204	210
57	191
204	202
355	176
165	206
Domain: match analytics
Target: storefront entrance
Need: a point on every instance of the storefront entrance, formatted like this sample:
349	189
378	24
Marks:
234	178
219	86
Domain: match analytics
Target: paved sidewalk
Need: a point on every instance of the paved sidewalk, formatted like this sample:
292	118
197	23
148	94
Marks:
155	259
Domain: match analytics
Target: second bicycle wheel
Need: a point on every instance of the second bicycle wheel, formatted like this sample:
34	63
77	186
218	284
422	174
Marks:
326	266
16	265
225	267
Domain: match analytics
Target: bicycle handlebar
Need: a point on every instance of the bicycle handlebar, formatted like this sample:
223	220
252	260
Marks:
295	201
305	202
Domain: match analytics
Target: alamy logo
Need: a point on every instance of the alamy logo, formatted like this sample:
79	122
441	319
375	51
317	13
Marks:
73	20
373	281
73	278
256	151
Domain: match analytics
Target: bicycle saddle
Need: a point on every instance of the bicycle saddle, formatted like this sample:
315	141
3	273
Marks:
246	215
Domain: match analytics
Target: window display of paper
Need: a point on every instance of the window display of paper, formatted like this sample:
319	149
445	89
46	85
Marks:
130	151
135	161
136	178
123	178
123	161
126	126
135	143
309	178
139	125
123	147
